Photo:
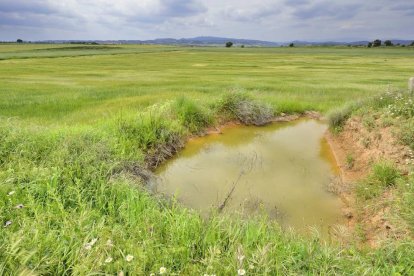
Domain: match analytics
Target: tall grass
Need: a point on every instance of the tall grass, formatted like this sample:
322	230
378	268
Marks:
337	117
192	115
72	211
128	78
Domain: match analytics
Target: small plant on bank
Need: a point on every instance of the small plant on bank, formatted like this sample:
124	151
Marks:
366	142
240	106
338	117
383	175
369	123
406	133
350	161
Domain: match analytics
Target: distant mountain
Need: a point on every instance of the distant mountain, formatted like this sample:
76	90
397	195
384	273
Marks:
210	40
196	41
219	41
352	43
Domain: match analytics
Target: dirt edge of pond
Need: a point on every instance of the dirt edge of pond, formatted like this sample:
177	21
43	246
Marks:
281	118
366	146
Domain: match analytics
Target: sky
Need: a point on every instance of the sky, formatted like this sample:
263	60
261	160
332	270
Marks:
271	20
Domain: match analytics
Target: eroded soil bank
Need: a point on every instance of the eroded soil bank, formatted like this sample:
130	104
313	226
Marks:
356	148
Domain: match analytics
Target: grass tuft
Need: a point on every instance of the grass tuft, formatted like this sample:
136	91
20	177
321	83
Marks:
240	106
383	175
192	115
337	117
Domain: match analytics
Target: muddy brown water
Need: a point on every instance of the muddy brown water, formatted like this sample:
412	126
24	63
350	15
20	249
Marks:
281	170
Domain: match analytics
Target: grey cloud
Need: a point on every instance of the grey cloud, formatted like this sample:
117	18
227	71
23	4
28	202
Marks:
168	9
327	10
278	20
407	9
37	20
180	8
252	14
21	6
294	3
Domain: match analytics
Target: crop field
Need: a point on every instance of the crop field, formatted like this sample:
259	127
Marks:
80	126
83	84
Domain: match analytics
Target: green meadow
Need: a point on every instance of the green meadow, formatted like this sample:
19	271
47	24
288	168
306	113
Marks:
79	125
83	84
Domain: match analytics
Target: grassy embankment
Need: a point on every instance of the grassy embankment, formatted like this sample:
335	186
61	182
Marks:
76	130
387	191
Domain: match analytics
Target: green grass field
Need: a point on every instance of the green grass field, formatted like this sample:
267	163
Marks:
76	122
83	84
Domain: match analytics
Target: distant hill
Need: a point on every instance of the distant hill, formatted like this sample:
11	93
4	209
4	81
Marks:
201	41
219	41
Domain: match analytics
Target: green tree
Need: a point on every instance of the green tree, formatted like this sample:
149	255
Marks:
291	45
369	44
229	44
19	41
388	43
376	43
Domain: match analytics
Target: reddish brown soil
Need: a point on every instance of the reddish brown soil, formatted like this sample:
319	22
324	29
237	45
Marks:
367	146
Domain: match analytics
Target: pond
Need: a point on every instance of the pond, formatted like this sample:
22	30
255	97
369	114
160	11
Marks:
282	170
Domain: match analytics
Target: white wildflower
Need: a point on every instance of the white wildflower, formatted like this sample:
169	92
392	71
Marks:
163	270
93	241
11	193
251	266
129	258
109	243
108	260
241	272
88	246
8	223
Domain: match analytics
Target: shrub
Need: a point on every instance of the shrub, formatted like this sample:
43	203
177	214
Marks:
338	117
402	105
241	107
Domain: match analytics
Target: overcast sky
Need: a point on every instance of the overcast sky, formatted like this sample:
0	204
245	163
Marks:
273	20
